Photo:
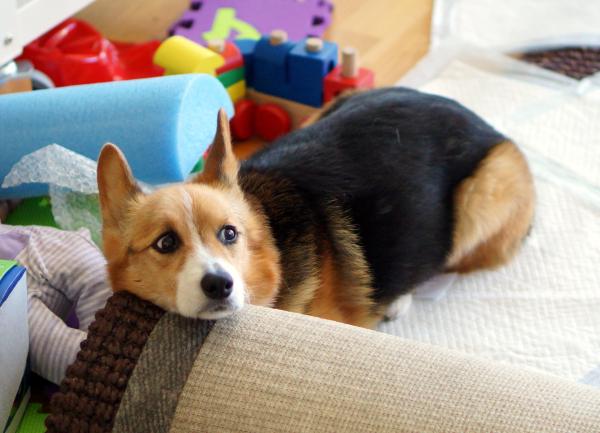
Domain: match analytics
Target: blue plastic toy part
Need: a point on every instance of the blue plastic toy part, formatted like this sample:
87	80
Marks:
163	125
308	69
289	69
247	47
270	67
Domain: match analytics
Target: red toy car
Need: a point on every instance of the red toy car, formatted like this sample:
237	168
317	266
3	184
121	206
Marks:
75	53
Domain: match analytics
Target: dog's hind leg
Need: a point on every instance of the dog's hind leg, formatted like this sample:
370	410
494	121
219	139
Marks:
399	307
493	210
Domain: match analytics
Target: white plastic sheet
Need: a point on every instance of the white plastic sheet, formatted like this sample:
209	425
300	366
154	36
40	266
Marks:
543	309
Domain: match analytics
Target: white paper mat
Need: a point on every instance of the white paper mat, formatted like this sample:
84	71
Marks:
543	309
554	118
501	24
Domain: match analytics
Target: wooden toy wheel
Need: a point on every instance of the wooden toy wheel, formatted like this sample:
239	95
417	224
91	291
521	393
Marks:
242	124
271	121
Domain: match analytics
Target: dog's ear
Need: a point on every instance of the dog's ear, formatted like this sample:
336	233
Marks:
221	164
116	185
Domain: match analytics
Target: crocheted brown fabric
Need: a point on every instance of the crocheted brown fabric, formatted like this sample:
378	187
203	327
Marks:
574	62
91	392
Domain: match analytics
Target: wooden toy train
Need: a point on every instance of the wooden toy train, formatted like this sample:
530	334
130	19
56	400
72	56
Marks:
275	83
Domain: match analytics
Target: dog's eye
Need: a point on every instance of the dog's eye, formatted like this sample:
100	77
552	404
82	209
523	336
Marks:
166	243
228	235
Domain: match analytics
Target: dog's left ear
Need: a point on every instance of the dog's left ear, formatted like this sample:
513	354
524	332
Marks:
116	186
221	164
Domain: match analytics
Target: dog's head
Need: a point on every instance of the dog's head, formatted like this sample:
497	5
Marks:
196	248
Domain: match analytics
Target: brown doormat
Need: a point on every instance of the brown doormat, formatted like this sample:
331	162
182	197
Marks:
574	62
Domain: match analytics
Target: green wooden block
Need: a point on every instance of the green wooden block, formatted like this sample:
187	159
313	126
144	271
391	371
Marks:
231	77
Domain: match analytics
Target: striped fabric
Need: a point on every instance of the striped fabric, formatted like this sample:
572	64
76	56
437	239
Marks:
65	272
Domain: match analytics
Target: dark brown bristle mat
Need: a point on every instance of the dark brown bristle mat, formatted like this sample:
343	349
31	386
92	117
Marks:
91	392
574	62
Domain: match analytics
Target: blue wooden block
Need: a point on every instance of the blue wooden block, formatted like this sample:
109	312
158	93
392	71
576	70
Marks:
271	74
247	47
307	71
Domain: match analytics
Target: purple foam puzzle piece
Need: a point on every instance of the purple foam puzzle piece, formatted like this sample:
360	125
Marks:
299	18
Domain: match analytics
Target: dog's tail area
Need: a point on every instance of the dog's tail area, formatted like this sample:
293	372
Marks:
493	211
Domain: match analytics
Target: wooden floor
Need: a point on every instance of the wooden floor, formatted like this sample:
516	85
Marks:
390	35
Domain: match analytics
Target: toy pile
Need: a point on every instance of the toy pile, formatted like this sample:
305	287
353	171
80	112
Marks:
263	61
275	81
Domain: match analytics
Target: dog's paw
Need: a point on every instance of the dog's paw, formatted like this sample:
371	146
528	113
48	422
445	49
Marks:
399	307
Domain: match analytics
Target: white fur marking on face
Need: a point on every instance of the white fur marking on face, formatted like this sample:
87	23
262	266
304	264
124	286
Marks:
238	295
190	299
189	213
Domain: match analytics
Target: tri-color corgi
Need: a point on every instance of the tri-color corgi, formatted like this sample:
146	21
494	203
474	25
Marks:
380	192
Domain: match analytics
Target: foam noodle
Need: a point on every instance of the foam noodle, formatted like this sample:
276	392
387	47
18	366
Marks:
163	125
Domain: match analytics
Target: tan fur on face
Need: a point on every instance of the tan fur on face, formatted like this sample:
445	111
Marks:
493	210
135	266
195	211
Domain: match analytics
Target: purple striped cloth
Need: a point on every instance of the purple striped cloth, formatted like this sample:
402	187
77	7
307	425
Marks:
65	272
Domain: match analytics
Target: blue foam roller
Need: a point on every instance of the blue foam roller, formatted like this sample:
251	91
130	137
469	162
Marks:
163	125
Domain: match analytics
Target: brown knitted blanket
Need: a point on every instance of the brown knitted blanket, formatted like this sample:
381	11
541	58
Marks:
94	385
101	381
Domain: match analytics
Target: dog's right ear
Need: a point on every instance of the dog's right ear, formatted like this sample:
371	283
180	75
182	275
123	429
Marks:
116	185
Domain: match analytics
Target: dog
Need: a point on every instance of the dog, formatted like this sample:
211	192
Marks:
379	192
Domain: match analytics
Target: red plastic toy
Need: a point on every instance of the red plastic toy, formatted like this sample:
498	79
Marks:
335	82
75	53
347	76
231	53
272	121
242	124
269	121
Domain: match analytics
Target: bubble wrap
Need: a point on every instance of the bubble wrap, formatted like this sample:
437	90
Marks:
72	185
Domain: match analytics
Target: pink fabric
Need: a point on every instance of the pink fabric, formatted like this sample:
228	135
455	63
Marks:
12	243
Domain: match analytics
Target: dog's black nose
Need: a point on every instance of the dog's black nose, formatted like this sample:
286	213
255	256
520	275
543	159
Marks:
217	285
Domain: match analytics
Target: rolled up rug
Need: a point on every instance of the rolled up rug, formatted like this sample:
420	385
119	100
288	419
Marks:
264	370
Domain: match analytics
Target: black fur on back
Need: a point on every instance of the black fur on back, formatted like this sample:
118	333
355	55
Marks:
390	158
